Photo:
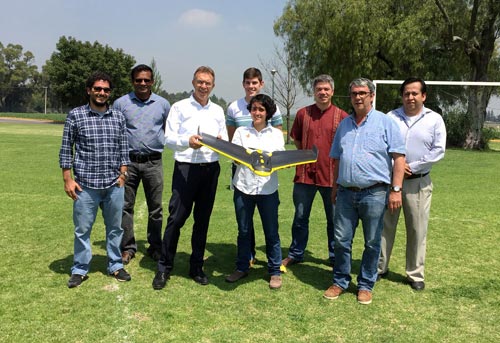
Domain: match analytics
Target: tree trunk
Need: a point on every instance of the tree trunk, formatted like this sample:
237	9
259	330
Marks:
478	101
288	126
479	47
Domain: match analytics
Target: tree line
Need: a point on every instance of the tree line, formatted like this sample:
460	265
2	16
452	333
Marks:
60	83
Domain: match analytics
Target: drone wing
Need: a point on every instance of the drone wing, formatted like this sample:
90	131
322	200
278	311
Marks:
260	162
290	158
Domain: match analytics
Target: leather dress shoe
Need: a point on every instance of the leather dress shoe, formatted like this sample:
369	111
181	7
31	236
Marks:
235	276
382	275
417	285
127	256
160	280
199	277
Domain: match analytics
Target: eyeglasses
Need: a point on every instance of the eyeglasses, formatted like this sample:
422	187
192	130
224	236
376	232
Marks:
361	94
142	80
99	89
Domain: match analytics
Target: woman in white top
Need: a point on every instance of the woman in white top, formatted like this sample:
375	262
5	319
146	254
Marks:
252	190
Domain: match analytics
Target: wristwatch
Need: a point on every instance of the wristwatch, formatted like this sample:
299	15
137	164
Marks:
124	174
396	189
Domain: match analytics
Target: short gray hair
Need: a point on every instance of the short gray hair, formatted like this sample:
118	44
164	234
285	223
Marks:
323	78
362	82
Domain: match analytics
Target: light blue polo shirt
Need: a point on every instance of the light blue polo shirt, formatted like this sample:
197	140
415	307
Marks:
365	151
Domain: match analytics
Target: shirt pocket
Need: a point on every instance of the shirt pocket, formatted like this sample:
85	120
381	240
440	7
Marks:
374	141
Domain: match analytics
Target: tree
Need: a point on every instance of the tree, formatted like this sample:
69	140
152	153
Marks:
393	40
69	67
17	77
158	85
285	82
477	41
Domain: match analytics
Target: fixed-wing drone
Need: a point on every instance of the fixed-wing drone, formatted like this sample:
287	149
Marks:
260	162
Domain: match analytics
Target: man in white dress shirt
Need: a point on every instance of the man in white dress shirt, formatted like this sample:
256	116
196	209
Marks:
195	175
425	138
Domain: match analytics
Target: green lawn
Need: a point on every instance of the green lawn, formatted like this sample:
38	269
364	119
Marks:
461	302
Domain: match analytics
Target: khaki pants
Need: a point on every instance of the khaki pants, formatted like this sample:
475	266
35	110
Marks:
417	195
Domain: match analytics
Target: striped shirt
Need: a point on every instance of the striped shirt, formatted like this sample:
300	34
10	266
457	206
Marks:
95	146
238	115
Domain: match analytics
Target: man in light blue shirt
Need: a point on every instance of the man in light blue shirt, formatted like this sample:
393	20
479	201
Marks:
425	136
145	114
365	145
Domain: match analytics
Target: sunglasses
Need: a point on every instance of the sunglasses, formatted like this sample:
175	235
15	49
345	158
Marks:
142	80
99	89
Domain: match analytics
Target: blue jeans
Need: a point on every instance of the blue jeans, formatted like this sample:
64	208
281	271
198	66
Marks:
368	206
151	174
303	197
84	214
244	206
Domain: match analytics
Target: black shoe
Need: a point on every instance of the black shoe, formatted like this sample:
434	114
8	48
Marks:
382	275
76	280
160	280
199	277
127	256
417	285
155	254
121	275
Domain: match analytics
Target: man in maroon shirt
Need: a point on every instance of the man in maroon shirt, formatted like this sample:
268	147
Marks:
314	125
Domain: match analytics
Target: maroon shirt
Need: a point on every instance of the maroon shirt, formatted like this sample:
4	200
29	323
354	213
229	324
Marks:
315	127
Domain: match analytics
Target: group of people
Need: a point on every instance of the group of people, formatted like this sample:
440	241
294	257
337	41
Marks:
369	166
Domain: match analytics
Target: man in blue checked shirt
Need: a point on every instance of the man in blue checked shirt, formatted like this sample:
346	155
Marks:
95	146
365	182
145	114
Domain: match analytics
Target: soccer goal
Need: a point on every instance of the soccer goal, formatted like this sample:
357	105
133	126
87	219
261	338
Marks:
430	83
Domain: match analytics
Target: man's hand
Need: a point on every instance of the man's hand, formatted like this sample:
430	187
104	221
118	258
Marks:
408	171
395	201
194	142
70	187
334	194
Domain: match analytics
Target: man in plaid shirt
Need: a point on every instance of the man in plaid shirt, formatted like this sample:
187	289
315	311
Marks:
95	146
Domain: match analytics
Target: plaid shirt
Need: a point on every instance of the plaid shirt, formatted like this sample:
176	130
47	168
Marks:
100	146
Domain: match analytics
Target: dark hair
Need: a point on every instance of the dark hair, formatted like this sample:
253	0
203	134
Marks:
141	67
423	86
98	76
267	102
251	73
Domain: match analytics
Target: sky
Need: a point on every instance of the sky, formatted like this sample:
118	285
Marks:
227	35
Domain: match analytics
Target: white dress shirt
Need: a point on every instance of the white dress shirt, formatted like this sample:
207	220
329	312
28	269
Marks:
188	117
268	139
425	138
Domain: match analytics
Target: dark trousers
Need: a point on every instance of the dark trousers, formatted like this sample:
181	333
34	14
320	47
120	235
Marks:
251	230
192	184
151	175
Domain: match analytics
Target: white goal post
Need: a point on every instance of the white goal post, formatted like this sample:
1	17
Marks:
442	83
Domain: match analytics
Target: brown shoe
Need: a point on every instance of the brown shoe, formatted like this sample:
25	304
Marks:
364	297
288	261
275	282
333	292
235	276
127	256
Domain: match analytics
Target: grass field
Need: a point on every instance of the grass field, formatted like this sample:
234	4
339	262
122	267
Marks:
461	302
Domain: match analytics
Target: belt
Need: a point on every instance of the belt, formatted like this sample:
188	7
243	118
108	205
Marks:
416	176
142	158
357	189
204	164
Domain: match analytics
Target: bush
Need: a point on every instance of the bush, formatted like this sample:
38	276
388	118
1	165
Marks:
456	127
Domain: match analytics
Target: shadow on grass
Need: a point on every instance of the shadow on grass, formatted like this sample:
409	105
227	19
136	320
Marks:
98	264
